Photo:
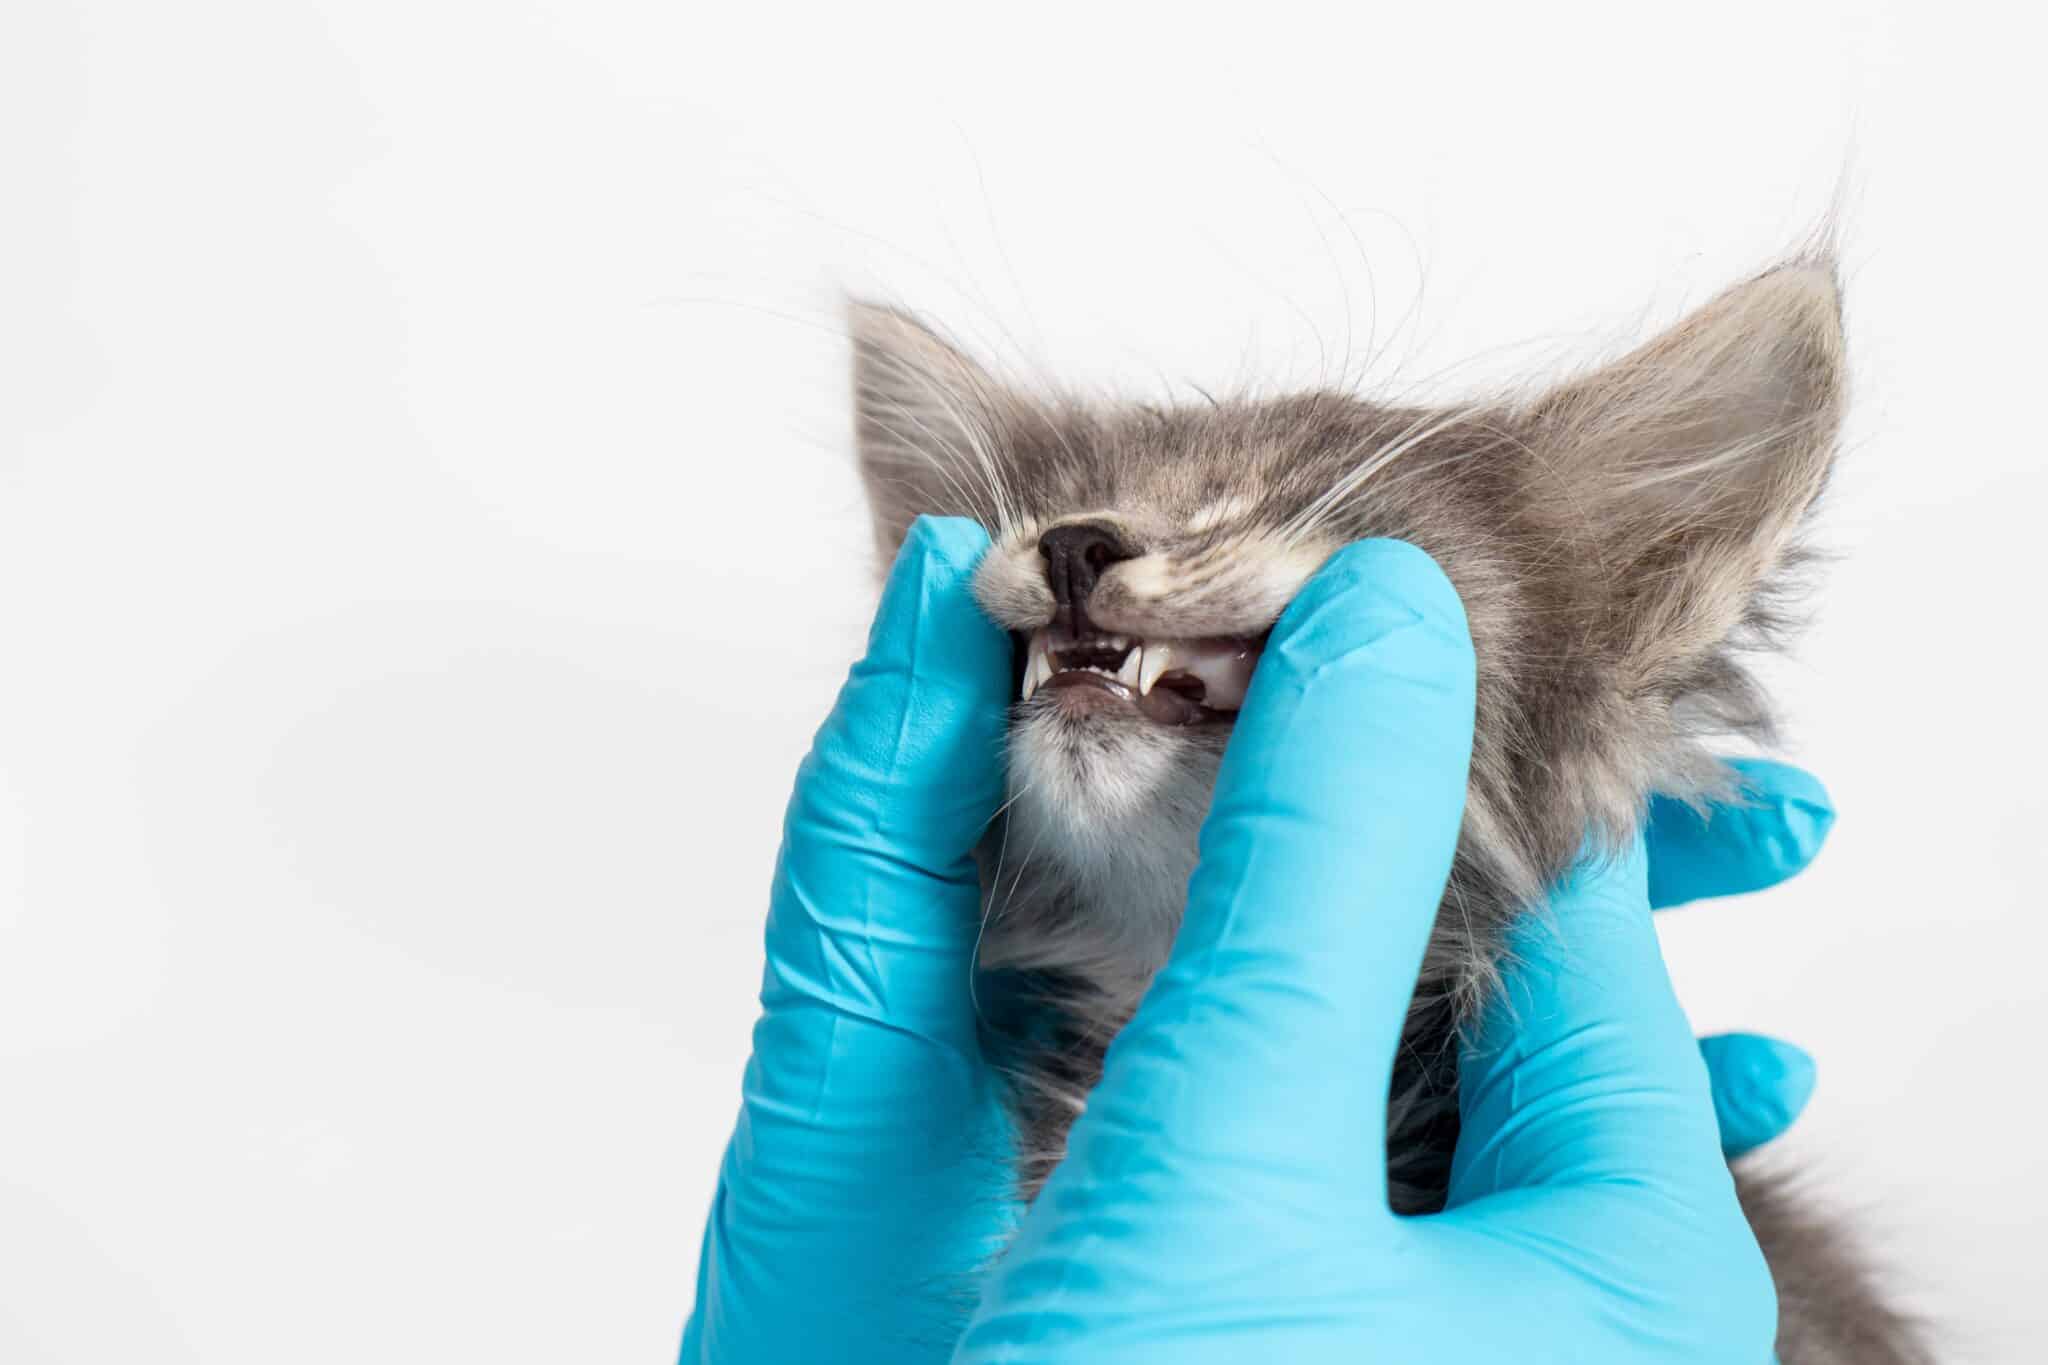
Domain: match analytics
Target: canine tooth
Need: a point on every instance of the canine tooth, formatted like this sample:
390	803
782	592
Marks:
1133	661
1038	667
1156	661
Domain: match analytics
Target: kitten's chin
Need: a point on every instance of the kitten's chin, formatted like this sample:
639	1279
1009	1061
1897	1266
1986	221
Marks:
1105	816
1086	769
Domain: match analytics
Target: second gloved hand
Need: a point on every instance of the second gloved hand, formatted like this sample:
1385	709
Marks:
1224	1196
865	1189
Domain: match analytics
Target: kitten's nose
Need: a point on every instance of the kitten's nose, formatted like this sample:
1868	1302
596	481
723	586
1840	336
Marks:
1075	556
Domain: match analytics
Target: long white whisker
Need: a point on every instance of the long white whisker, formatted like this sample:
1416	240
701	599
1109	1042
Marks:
977	458
1309	519
995	882
910	447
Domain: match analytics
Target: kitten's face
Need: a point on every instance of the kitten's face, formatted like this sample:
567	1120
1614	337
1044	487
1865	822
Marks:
1145	556
1607	539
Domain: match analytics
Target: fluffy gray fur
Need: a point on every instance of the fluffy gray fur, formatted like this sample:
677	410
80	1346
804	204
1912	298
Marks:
1619	540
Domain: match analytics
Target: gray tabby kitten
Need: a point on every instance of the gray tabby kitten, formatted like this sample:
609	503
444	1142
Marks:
1618	540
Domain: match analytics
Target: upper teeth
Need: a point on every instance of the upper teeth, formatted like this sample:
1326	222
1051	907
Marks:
1224	665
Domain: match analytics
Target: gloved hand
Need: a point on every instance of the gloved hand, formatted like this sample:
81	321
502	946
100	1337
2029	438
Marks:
865	1181
1223	1198
865	1188
1774	830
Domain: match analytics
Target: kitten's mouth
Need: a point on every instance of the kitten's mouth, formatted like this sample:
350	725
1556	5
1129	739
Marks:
1171	682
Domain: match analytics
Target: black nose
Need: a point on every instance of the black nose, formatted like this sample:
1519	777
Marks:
1075	556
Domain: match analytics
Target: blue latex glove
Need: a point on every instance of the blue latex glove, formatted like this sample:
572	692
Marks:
1224	1196
1760	1084
865	1186
866	1181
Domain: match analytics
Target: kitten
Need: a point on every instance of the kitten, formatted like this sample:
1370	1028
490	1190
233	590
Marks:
1617	540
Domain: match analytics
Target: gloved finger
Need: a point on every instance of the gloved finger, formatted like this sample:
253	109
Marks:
1583	1070
1267	1041
1760	1086
876	897
863	1171
1774	828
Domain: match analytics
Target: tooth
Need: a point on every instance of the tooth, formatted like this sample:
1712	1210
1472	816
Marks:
1128	674
1038	667
1157	660
1226	686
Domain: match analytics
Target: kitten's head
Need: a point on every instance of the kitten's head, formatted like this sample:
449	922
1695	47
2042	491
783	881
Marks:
1614	539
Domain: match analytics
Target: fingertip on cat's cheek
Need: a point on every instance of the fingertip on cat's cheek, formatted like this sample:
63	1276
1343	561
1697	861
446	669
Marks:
1394	568
954	544
1368	593
928	608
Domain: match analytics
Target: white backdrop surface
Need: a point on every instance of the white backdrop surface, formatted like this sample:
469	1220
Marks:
427	539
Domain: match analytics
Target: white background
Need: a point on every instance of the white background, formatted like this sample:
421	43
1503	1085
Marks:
427	540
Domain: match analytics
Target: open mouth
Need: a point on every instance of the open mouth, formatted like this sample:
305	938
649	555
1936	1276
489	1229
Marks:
1172	682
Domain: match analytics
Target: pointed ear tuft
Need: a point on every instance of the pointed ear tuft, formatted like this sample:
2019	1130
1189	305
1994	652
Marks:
1689	465
928	423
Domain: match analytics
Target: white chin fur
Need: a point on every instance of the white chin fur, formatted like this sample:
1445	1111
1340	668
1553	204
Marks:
1091	779
1103	809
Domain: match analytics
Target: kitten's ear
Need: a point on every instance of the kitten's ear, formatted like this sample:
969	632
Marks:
1689	464
927	423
